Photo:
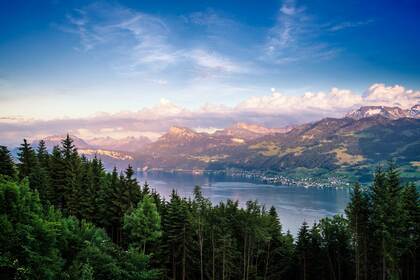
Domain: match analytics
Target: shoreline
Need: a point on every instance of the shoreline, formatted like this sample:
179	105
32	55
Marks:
259	177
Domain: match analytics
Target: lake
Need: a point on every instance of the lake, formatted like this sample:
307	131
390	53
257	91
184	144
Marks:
294	204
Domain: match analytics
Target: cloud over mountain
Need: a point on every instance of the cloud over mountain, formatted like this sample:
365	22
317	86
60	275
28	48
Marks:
274	110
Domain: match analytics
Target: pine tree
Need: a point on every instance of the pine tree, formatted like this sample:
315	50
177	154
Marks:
302	251
378	222
410	238
98	175
72	170
42	154
27	159
57	174
39	179
176	237
336	245
394	227
119	203
132	186
200	211
87	208
386	222
358	214
143	224
7	167
279	250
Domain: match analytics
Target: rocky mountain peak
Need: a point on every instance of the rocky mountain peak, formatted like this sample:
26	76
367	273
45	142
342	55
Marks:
384	111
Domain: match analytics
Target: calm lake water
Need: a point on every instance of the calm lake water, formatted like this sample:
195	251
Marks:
294	204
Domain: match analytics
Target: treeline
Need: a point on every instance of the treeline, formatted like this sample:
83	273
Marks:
64	217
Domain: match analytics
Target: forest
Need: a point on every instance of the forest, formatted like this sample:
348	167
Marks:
63	216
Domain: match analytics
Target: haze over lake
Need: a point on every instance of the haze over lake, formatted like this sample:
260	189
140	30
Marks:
294	204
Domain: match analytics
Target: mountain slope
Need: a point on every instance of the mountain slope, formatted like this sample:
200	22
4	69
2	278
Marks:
348	146
249	131
127	144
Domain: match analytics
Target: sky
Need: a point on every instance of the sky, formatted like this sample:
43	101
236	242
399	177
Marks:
118	68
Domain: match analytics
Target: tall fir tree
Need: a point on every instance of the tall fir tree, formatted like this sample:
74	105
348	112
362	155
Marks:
27	159
57	174
72	166
42	154
132	187
410	239
7	167
177	237
358	214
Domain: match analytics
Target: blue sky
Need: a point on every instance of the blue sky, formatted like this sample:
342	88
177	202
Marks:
73	59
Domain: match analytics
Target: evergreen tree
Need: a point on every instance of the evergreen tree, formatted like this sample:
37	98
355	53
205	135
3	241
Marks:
336	245
132	187
410	238
378	222
143	224
200	212
97	181
302	251
72	166
358	214
87	208
308	251
7	167
176	237
37	244
42	155
279	257
57	174
39	181
27	159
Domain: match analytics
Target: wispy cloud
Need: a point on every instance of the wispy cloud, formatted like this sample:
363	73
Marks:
295	37
144	40
139	39
210	19
349	24
215	62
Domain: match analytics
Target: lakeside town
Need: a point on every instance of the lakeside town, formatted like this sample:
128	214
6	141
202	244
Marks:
261	177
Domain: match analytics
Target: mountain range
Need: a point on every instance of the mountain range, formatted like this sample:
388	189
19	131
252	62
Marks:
349	147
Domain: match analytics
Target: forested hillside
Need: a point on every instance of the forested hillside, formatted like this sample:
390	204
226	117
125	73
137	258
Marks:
63	216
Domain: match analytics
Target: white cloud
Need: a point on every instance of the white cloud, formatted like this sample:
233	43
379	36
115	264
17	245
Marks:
379	94
215	62
275	110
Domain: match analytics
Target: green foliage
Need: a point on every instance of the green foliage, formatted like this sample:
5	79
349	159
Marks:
67	218
27	159
7	167
143	224
38	244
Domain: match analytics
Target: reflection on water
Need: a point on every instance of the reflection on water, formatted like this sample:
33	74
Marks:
294	204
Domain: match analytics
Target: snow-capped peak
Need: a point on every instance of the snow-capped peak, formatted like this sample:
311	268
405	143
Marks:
384	111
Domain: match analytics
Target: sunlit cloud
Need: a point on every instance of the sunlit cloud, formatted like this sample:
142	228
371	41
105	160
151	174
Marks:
274	110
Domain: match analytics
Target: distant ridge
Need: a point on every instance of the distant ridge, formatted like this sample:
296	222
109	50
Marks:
384	111
350	146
